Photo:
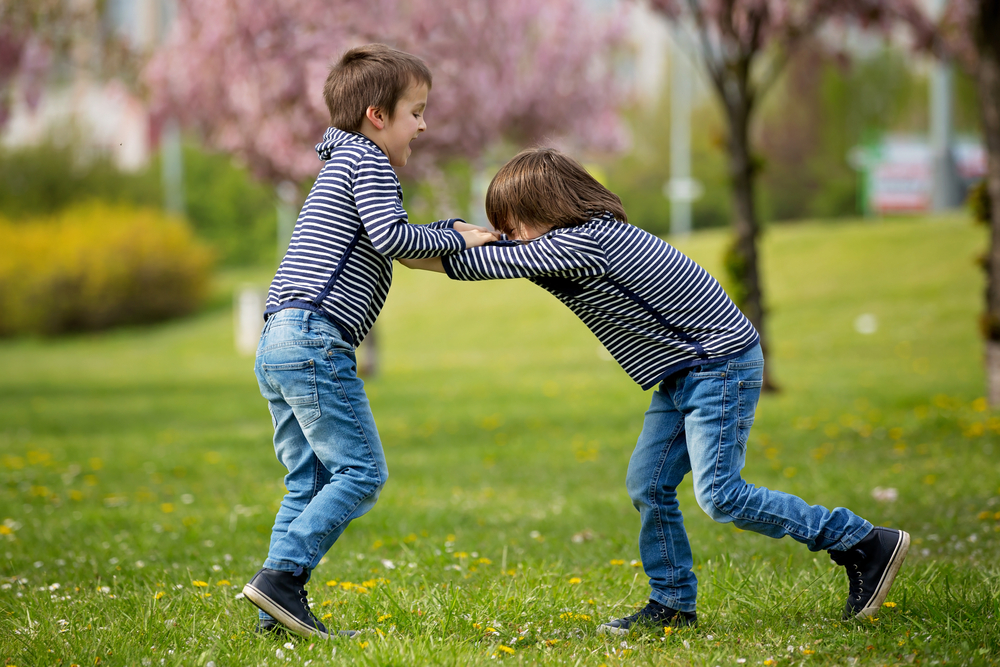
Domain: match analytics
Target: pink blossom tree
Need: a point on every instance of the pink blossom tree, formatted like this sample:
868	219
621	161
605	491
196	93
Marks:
36	35
742	47
250	77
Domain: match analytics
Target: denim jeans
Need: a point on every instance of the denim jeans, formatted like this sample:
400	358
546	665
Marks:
324	435
698	422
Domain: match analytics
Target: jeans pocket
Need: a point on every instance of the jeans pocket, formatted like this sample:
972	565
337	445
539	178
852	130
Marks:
296	382
747	395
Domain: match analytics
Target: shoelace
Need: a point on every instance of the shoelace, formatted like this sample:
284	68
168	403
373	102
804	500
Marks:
850	561
304	599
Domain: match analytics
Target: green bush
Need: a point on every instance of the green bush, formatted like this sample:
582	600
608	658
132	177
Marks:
224	205
97	266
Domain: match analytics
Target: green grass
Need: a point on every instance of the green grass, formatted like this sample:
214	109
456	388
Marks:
136	463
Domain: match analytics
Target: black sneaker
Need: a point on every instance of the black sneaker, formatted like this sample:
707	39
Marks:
872	565
653	615
282	595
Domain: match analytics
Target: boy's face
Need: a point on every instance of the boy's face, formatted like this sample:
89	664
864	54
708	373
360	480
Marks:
407	122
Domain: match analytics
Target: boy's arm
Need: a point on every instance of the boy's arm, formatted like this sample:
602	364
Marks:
388	227
568	254
432	264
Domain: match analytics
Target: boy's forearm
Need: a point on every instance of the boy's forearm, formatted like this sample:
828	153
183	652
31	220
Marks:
431	264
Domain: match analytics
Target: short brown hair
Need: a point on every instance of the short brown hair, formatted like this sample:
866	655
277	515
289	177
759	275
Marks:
373	75
543	186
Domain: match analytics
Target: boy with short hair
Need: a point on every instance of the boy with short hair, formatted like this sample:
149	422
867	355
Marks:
326	294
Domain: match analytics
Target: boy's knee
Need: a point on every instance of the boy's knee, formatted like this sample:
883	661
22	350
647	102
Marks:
638	488
717	507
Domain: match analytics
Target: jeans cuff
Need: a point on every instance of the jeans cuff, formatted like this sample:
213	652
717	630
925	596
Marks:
671	601
848	541
282	565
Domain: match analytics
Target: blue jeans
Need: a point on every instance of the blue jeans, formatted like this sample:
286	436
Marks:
699	422
324	435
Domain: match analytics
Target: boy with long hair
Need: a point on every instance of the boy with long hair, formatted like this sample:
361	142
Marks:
670	325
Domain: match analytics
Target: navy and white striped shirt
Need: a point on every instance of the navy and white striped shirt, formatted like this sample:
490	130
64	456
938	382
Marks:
653	308
339	261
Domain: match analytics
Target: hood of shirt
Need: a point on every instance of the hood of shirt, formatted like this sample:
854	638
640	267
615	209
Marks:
334	138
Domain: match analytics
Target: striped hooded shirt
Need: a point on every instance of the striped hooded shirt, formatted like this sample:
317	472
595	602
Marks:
339	260
653	308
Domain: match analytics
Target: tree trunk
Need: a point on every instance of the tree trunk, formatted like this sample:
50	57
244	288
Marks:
742	259
985	31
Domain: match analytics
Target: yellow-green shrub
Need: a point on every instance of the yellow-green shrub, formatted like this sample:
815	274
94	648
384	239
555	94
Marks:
98	266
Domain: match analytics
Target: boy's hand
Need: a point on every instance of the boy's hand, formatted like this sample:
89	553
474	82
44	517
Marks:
477	236
463	226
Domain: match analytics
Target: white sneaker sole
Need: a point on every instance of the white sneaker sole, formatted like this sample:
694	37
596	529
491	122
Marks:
882	590
279	614
610	630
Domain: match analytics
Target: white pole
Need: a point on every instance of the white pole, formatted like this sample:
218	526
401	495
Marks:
172	168
679	188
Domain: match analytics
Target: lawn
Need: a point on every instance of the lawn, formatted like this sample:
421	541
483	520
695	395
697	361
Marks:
138	483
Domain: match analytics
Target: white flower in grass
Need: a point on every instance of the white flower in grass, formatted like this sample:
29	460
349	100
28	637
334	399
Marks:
289	645
885	495
279	654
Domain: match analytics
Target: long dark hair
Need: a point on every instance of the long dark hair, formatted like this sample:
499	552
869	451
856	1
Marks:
541	186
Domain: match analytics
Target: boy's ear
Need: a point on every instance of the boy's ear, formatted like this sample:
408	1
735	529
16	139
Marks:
377	118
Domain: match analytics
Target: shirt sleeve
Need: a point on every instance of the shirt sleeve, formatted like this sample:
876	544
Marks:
376	193
568	254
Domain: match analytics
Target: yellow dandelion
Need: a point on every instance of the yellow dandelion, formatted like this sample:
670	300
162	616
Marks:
616	561
222	582
363	644
982	516
668	630
327	615
769	662
159	594
505	649
484	561
383	617
5	530
477	626
489	629
326	603
167	508
461	554
576	580
371	583
807	651
207	595
199	584
551	642
331	583
346	585
888	604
